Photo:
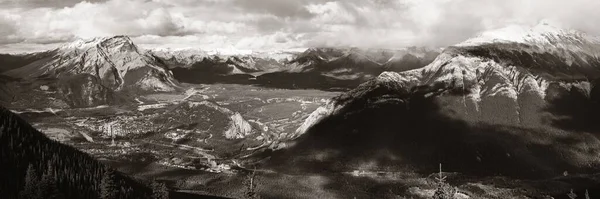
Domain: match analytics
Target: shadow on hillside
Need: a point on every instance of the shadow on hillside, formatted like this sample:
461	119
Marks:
577	109
387	127
280	80
183	195
307	80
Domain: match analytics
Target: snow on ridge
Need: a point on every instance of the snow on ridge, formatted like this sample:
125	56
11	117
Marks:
82	43
544	33
315	117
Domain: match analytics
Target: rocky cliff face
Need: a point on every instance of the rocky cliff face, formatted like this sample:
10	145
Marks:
510	79
87	71
116	62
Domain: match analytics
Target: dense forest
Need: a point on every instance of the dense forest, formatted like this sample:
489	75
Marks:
34	166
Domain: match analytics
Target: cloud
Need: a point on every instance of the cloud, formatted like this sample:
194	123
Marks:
42	3
279	8
245	23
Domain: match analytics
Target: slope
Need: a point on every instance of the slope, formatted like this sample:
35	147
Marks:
77	174
522	109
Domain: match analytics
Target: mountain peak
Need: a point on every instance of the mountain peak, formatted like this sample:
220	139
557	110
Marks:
544	33
120	41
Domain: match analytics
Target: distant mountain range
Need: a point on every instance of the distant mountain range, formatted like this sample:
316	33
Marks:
107	70
317	68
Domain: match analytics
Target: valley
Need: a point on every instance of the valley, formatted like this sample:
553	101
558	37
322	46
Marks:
249	117
493	117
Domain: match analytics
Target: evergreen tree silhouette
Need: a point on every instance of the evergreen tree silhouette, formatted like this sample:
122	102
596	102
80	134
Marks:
108	186
30	190
587	194
48	188
444	190
159	190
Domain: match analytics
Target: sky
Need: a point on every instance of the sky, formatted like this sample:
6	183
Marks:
34	25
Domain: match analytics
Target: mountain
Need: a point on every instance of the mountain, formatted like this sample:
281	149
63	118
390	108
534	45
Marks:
355	63
522	105
320	68
73	173
92	72
522	74
179	58
332	68
368	61
116	62
9	61
197	66
239	63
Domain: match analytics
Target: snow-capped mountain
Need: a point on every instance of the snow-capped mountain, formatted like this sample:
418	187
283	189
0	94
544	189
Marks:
116	62
369	61
322	68
516	105
179	57
90	72
520	74
345	67
252	61
543	34
508	76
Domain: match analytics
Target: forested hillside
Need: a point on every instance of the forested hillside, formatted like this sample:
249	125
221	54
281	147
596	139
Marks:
33	166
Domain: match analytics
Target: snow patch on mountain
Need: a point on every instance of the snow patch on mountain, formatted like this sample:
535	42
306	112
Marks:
187	57
506	74
110	59
544	33
315	117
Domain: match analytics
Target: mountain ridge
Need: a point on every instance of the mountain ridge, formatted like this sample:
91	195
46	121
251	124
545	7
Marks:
111	59
504	83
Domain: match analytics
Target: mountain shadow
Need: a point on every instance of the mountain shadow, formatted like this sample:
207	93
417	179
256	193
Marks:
207	73
305	80
9	61
385	126
578	108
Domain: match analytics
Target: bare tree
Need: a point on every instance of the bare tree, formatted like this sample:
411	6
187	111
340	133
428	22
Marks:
250	184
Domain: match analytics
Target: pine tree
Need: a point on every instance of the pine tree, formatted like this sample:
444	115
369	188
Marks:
31	181
444	190
48	188
108	186
159	190
587	194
